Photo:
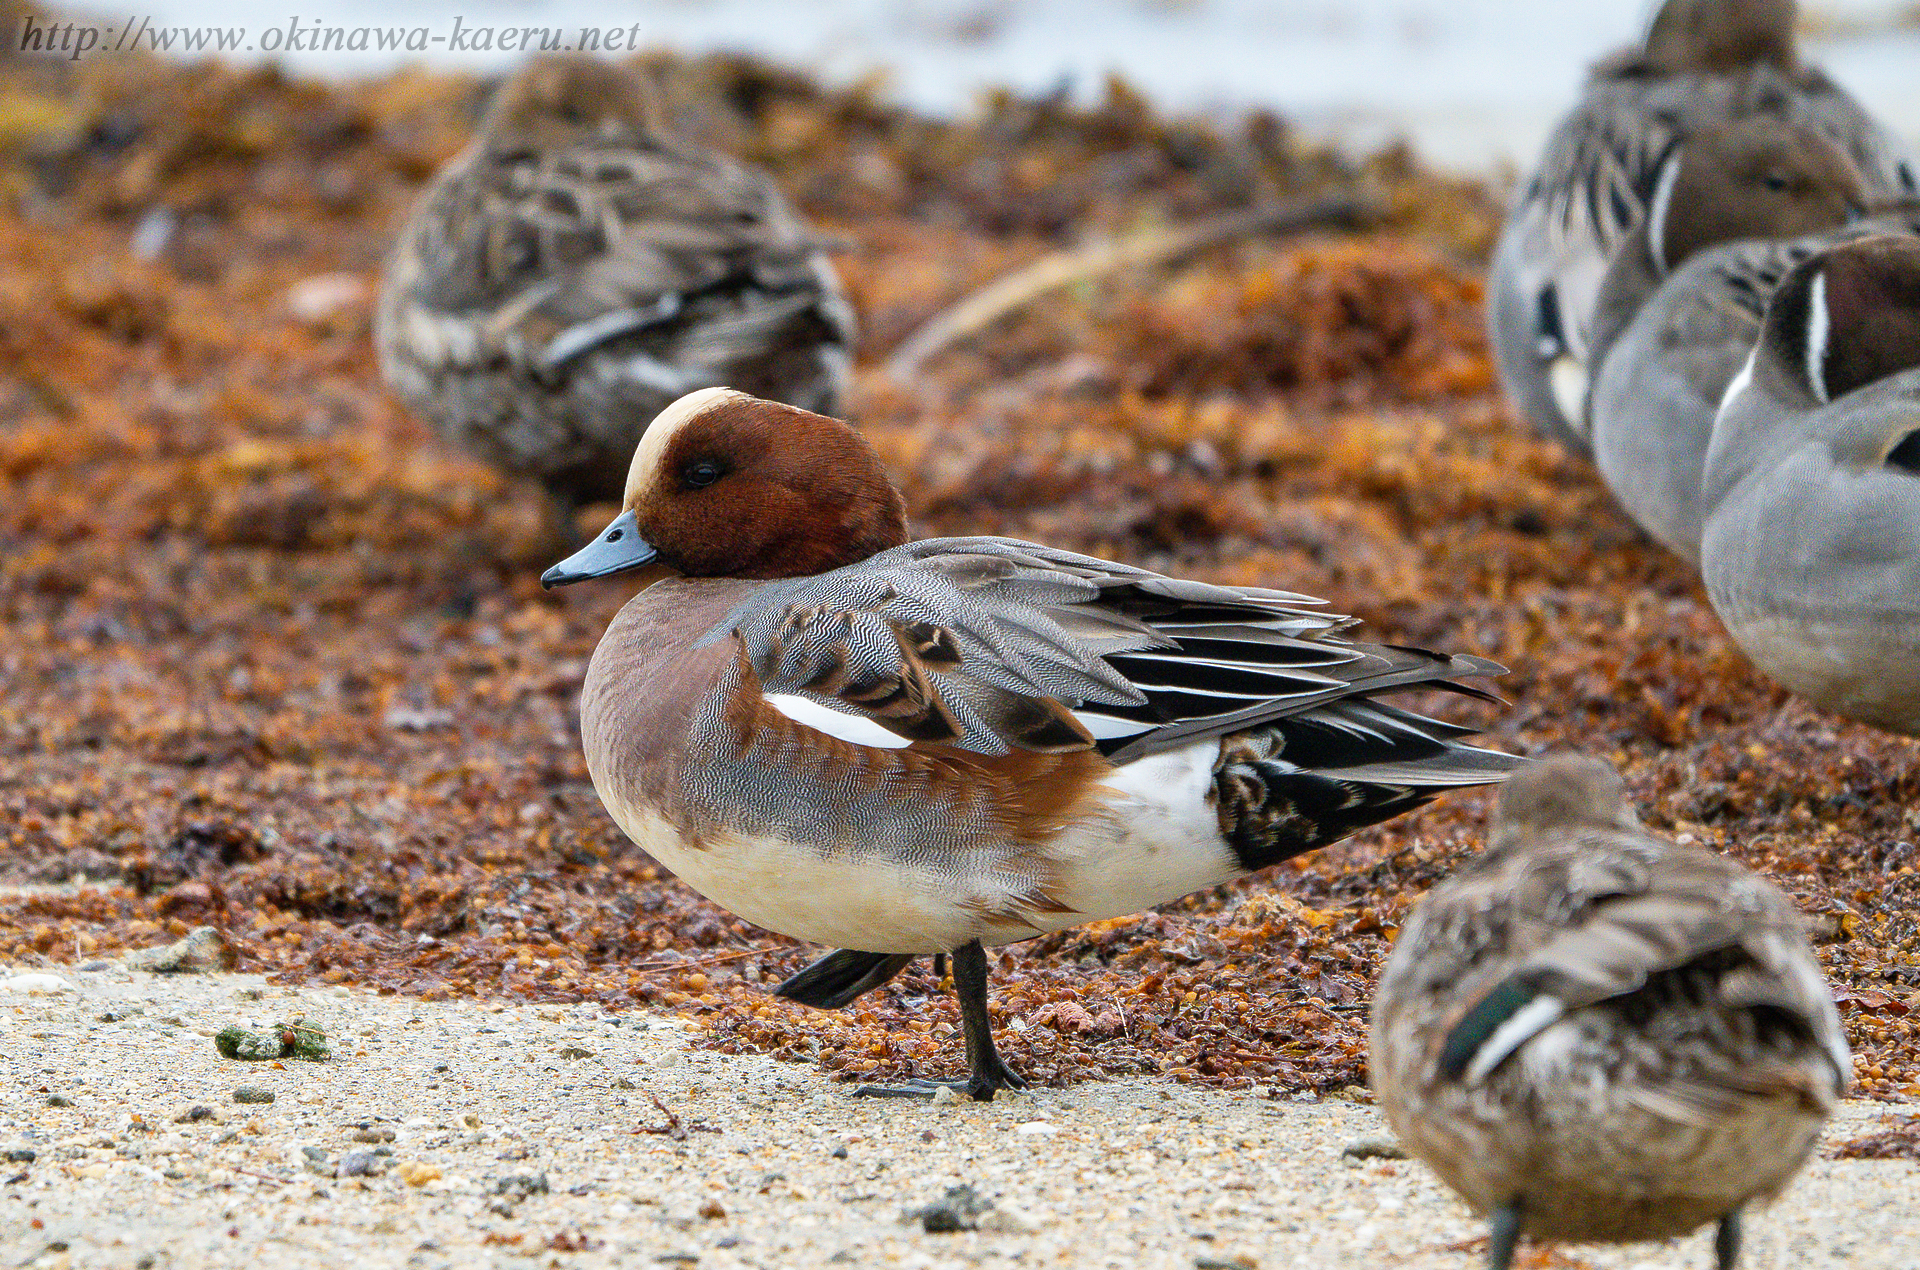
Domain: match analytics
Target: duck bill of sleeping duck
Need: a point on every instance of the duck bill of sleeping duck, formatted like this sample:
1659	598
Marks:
616	549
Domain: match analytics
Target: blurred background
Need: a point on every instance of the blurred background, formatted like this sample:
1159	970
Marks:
1471	83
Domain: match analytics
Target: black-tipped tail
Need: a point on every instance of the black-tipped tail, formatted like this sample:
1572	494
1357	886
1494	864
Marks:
840	977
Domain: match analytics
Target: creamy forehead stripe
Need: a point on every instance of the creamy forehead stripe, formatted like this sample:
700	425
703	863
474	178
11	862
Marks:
1817	337
665	426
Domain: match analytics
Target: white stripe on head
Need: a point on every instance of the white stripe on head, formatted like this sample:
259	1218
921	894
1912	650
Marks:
665	425
856	728
1740	382
1658	208
1817	337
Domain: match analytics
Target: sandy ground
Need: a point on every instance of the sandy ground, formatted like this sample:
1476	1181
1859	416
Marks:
427	1140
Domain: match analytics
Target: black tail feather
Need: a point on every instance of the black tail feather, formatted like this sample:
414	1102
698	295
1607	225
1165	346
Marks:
839	977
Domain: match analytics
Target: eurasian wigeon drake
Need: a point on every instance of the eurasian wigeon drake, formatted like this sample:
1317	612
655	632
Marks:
577	268
907	748
1661	380
1703	63
1811	547
1592	1033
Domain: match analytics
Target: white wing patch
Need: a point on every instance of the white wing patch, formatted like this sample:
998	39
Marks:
1526	1023
1108	727
856	728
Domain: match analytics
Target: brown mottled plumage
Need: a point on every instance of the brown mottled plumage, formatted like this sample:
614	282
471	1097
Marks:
576	269
1591	1033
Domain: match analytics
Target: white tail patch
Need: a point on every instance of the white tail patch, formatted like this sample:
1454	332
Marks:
1527	1022
1658	208
1567	380
1817	322
856	728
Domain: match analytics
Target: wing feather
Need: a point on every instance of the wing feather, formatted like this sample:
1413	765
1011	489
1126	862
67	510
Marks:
991	644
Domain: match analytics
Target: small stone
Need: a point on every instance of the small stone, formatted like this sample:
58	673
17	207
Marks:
323	296
59	1100
316	1161
1225	1263
518	1186
1376	1146
624	1083
373	1133
418	1172
408	719
201	951
360	1164
19	1155
712	1210
681	1258
470	1120
35	984
1034	1128
194	1114
959	1209
1005	1220
253	1094
840	1151
945	1095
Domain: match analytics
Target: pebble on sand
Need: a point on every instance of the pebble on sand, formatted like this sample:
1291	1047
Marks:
201	950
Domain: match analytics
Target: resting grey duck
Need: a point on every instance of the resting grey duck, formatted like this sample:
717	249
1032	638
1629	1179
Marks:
1704	62
1662	378
576	269
1592	1033
1811	547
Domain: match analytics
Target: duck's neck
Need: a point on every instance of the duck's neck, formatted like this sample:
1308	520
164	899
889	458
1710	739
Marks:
1632	276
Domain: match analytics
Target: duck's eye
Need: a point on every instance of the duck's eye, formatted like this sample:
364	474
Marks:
701	473
1774	181
1906	455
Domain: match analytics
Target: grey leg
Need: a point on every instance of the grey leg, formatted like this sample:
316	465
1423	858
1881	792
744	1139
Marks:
1503	1236
986	1072
1726	1241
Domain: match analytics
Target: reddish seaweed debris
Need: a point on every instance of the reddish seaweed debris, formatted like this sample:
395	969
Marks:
1902	1142
277	661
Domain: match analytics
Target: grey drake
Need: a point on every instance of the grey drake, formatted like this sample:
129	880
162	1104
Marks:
1811	490
1594	1034
577	268
1661	378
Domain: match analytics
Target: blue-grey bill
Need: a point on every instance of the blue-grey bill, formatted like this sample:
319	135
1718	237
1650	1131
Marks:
616	549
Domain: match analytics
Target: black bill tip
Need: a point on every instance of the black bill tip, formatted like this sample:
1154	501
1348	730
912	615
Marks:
616	549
